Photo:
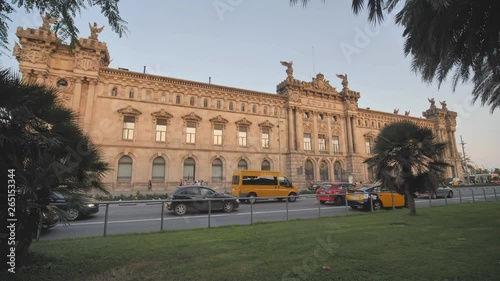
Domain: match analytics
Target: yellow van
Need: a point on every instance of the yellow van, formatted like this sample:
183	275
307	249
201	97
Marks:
266	184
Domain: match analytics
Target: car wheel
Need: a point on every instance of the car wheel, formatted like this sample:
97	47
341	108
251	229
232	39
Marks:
180	209
292	197
322	201
227	207
377	205
72	214
433	196
251	198
450	194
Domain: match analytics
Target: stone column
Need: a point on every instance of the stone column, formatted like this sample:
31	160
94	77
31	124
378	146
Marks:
299	135
88	107
291	130
347	120
77	92
353	132
314	134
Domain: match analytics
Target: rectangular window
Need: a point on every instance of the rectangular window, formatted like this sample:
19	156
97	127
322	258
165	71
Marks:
368	145
322	143
242	136
191	132
335	145
161	130
128	127
307	142
265	138
218	134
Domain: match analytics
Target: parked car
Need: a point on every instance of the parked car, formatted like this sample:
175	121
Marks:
333	192
454	181
442	191
74	210
380	198
201	196
316	185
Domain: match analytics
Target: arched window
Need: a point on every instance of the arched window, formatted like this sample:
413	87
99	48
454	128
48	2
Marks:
158	169
275	111
205	103
306	115
323	171
125	169
216	170
163	98
131	94
191	101
254	109
243	107
178	99
231	106
266	110
189	169
242	165
338	172
265	166
114	92
218	104
309	171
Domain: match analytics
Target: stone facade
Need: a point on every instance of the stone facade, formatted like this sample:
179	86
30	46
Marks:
163	129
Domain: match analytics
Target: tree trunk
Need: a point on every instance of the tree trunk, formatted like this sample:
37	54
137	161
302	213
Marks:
410	201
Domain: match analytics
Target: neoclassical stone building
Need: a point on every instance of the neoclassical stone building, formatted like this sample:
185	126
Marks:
165	129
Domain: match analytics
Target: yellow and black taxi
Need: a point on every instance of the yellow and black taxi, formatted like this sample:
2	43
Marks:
379	197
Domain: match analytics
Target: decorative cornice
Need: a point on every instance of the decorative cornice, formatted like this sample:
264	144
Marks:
219	119
192	117
129	110
243	122
162	114
266	124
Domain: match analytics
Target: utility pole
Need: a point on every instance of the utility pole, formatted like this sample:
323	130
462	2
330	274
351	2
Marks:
465	160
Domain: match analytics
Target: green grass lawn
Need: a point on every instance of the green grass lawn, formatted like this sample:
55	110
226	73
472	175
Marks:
457	242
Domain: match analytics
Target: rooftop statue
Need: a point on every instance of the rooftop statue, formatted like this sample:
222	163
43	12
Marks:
47	21
443	104
94	30
433	103
289	68
345	83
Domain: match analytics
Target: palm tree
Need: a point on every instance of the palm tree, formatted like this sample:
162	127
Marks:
40	141
444	36
408	160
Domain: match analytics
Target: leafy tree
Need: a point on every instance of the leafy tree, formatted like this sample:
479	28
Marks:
408	160
496	171
444	36
41	140
65	11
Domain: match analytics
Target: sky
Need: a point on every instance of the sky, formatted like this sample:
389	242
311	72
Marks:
240	43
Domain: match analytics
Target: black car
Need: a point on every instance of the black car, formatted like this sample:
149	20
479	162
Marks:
74	210
202	197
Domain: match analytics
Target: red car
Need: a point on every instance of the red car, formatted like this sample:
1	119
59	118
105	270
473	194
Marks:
333	192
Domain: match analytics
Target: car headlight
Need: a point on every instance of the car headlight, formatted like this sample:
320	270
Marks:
90	205
366	196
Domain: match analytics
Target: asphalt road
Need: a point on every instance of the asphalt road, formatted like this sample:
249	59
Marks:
145	216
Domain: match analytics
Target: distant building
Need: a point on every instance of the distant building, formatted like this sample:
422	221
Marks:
166	129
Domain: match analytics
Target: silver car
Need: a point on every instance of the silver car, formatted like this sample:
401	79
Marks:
442	191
